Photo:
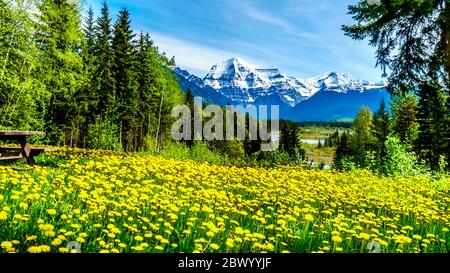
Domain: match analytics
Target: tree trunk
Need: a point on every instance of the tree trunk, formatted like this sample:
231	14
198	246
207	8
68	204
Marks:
447	41
159	123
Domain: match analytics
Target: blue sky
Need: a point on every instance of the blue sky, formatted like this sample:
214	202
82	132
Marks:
302	38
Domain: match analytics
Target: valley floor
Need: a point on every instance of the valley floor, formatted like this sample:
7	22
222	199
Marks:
115	202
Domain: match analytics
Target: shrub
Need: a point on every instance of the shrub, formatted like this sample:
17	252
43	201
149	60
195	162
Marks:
400	160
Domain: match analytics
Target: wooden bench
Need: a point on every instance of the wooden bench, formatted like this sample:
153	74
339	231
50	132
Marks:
24	151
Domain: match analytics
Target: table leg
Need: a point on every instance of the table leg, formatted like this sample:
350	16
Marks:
26	151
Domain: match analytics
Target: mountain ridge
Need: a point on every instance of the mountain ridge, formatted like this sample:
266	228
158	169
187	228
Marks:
235	81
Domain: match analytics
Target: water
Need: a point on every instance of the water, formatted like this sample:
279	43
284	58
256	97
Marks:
312	141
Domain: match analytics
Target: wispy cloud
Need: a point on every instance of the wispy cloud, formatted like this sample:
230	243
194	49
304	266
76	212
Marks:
314	39
195	57
252	12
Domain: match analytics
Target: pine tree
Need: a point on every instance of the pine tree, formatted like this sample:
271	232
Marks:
431	117
86	98
412	38
59	39
362	139
343	150
146	86
404	113
380	131
127	99
103	77
290	140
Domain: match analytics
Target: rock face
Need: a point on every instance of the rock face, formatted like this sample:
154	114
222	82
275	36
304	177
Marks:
328	97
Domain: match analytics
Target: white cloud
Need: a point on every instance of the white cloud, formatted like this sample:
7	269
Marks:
313	38
196	58
259	15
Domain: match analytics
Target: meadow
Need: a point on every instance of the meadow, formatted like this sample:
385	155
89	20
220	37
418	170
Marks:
118	202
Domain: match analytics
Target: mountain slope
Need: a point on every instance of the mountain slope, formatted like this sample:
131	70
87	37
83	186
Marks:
327	105
209	94
244	84
327	97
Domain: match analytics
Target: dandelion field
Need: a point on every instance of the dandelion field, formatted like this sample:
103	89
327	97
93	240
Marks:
112	202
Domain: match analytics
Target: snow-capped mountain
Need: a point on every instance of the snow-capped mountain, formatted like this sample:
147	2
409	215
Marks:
245	84
236	82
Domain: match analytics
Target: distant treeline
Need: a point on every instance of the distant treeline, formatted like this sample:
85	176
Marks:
326	124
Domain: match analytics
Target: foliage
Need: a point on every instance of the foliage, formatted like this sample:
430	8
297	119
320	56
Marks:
290	140
400	160
404	116
381	130
411	37
154	204
86	86
431	117
362	139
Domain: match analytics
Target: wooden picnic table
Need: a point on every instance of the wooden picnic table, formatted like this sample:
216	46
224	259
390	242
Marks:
25	150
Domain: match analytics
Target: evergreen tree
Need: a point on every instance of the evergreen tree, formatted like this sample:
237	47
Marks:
146	86
380	131
290	140
127	99
431	117
86	98
362	139
343	151
60	41
103	78
412	38
404	114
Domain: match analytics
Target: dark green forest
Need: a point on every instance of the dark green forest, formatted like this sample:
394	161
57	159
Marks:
88	82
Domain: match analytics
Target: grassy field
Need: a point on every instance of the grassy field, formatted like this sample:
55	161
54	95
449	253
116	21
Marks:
324	154
114	202
313	153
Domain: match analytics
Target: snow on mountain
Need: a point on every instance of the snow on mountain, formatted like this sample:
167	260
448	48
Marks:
245	83
235	81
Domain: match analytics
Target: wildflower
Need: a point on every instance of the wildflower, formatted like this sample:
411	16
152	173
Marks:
336	239
309	217
3	215
51	212
364	236
214	246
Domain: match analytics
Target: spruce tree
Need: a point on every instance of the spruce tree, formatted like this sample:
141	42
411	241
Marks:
86	98
103	80
127	99
380	131
290	140
189	101
431	118
343	151
362	140
404	114
146	86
